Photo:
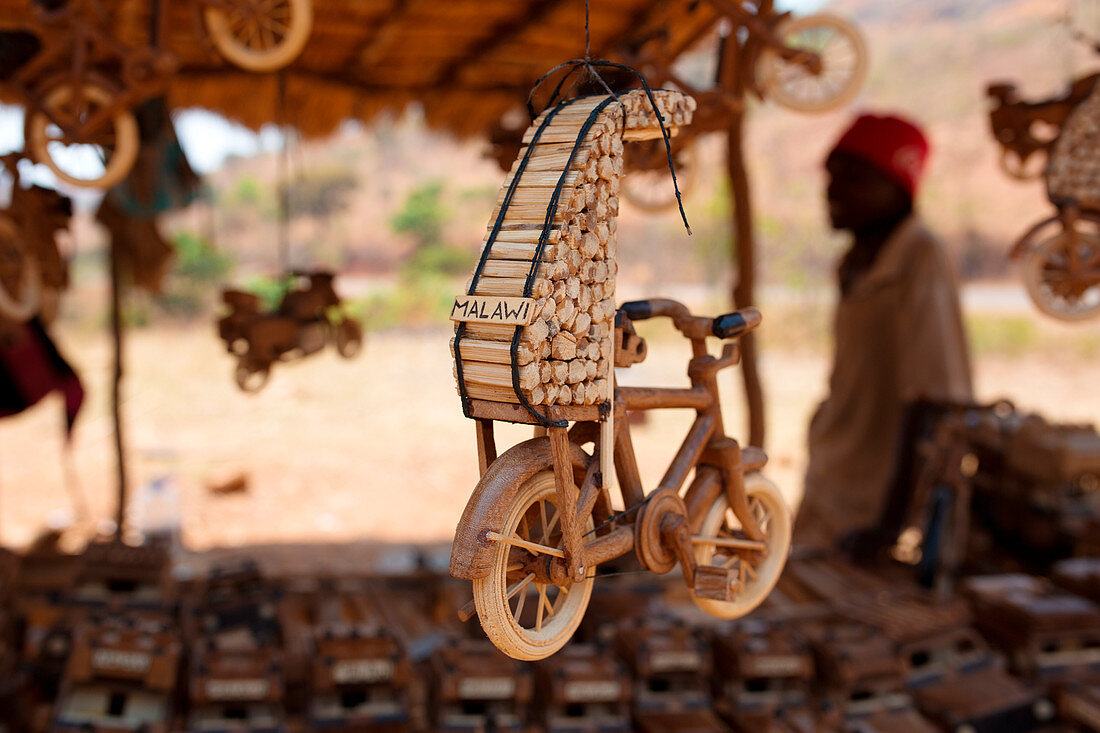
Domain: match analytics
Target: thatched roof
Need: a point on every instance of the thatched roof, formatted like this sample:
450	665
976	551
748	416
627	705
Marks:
466	61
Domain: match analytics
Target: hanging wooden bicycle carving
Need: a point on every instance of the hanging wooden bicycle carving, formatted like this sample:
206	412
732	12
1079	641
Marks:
82	84
537	337
813	63
1061	253
32	270
310	316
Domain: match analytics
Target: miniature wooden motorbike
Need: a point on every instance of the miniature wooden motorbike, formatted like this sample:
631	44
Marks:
536	341
32	270
83	82
1027	130
1061	253
310	316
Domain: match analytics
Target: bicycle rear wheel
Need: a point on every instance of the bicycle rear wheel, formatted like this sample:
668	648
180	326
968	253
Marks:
843	54
525	619
757	573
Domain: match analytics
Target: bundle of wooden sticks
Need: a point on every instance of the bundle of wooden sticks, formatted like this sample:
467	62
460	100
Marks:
566	347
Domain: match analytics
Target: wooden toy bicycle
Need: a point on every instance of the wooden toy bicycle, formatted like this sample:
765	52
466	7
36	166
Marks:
536	341
82	83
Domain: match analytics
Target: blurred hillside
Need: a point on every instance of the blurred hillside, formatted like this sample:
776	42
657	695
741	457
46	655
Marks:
931	60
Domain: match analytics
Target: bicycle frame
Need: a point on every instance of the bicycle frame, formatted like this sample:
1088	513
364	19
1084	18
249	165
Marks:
706	447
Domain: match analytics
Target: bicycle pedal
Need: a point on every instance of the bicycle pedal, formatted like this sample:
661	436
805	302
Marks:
715	584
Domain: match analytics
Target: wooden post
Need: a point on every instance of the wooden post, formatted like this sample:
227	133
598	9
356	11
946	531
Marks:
744	250
116	399
731	61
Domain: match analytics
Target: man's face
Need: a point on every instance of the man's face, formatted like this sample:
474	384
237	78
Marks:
860	195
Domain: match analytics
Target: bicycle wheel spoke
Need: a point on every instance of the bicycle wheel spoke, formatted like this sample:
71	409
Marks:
518	586
538	615
519	605
542	514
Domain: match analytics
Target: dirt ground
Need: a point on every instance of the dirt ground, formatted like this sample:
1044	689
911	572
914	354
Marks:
375	449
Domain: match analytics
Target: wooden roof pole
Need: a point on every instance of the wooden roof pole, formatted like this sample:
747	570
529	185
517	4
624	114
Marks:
116	385
743	245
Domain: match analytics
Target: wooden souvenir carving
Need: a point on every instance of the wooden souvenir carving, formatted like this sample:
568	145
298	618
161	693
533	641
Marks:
83	83
671	664
993	471
231	689
1047	633
539	522
32	270
584	690
121	674
1027	130
360	672
478	688
859	667
310	316
763	668
1060	254
115	574
984	699
1079	575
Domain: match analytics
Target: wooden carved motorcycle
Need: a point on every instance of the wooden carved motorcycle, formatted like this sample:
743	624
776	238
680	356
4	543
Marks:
80	83
309	317
1061	253
32	270
1027	130
536	341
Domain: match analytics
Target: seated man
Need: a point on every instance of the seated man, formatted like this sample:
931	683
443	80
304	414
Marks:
898	329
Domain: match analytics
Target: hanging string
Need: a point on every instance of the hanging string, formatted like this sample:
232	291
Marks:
587	35
590	66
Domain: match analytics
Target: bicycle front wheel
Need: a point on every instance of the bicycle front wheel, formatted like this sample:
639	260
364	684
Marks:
757	573
525	619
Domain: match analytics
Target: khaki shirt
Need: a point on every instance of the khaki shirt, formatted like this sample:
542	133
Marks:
899	337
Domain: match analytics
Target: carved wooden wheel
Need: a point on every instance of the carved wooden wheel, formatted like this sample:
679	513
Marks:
259	35
831	81
349	338
20	283
525	618
1063	286
97	159
251	377
756	572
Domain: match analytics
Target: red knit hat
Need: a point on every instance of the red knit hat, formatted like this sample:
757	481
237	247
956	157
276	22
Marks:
894	145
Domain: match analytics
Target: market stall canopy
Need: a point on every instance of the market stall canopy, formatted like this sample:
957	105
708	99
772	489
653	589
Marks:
468	62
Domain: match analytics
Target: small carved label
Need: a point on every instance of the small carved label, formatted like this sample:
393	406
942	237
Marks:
673	660
592	691
776	666
121	661
362	670
486	688
238	689
492	309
